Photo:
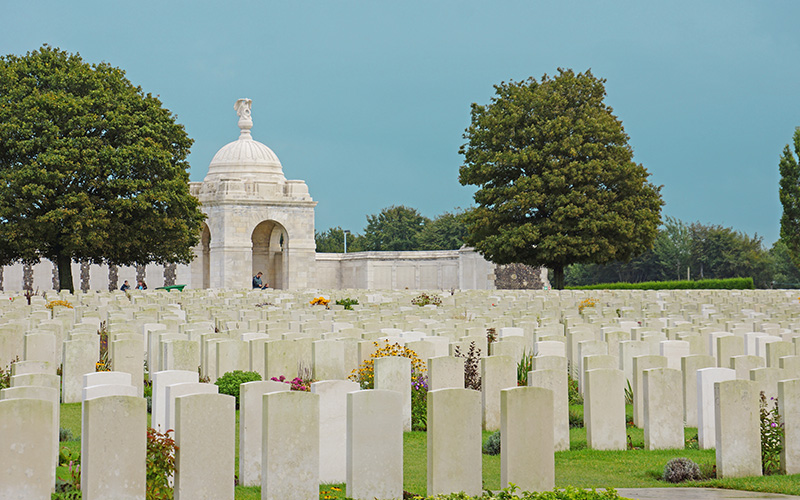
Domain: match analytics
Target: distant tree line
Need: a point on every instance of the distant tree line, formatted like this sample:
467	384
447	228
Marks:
697	251
398	228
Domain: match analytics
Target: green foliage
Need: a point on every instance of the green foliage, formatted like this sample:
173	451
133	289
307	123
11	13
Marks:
472	366
419	402
575	396
772	436
575	417
446	232
424	299
69	488
785	273
5	374
556	180
348	303
523	367
695	250
395	228
229	383
160	464
492	444
65	434
681	469
789	194
332	241
92	168
723	284
512	492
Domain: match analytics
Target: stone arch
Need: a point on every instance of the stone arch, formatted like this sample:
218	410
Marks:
205	254
270	249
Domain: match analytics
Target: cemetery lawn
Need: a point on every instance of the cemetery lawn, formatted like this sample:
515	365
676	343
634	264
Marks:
579	467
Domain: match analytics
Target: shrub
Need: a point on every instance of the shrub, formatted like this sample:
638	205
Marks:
681	469
65	434
365	373
472	366
771	436
722	284
320	301
160	464
575	419
424	299
492	444
229	383
575	396
348	303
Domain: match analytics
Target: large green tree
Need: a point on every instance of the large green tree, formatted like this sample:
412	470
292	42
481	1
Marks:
91	167
395	228
789	193
556	177
445	232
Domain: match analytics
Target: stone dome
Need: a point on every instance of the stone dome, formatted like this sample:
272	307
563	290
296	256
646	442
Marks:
245	158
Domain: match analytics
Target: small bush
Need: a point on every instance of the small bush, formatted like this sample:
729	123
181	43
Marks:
160	464
575	396
424	299
472	366
230	382
492	444
65	434
681	469
348	303
575	419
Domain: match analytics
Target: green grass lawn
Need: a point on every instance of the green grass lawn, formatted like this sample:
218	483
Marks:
579	467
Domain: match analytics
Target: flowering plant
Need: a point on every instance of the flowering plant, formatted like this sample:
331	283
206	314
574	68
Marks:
590	302
365	374
297	383
772	432
62	303
320	301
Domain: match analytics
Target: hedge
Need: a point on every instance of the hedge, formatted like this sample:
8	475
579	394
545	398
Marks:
726	284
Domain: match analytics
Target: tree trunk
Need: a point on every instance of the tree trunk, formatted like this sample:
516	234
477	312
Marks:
558	277
64	263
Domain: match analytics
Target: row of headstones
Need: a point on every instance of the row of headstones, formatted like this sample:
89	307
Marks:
297	434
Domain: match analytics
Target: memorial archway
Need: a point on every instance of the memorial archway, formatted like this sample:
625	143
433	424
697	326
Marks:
270	243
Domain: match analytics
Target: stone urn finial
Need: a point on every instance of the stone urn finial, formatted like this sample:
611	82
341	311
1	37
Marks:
242	108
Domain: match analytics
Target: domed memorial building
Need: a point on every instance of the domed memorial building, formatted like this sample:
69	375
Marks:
257	220
260	222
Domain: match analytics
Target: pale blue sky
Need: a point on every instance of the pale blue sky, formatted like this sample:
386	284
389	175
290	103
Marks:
367	101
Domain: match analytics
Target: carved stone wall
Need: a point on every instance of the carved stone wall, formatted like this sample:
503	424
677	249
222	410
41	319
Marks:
518	277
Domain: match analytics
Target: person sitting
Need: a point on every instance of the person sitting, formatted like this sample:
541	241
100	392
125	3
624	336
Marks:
257	283
142	285
125	286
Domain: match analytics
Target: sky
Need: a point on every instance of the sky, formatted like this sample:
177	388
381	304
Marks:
367	101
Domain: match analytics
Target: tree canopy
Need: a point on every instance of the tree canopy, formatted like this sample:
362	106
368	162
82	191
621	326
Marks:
789	194
395	228
696	251
399	228
91	167
556	179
